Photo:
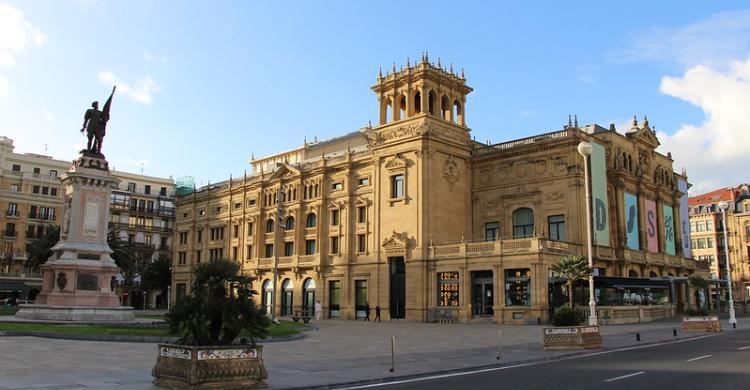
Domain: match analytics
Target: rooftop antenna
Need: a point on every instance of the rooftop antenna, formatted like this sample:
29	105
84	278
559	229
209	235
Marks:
45	149
141	167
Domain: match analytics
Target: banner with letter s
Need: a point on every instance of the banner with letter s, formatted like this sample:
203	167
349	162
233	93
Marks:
600	208
652	238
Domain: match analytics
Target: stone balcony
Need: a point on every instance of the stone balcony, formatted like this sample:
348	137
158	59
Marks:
506	247
286	262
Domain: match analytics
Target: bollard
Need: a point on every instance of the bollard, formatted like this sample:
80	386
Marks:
499	343
637	337
393	353
674	332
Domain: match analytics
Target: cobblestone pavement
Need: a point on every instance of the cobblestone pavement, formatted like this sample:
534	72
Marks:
338	351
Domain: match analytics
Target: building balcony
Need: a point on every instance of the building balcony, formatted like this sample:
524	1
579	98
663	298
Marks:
11	213
498	248
128	226
9	234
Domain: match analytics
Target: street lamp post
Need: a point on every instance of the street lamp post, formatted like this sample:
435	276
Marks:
276	227
723	206
169	298
584	149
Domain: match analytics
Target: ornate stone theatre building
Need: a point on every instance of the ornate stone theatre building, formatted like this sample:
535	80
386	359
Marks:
414	216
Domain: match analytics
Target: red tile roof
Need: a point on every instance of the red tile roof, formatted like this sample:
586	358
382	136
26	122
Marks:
726	194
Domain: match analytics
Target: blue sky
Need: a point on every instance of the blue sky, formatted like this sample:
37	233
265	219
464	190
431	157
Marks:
201	87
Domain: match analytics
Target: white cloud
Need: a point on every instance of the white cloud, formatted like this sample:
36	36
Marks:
710	41
15	35
48	116
141	92
151	58
717	151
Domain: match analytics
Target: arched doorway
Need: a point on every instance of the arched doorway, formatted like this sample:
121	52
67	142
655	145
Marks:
308	296
286	300
267	296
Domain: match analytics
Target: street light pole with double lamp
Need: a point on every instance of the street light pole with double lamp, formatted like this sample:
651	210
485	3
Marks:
723	206
584	149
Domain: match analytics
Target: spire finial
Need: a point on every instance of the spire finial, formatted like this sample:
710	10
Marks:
439	66
570	120
252	156
408	64
462	74
426	56
451	68
645	121
380	72
575	120
635	121
369	123
394	68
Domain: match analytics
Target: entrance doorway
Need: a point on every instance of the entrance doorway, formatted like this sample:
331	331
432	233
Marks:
481	293
398	287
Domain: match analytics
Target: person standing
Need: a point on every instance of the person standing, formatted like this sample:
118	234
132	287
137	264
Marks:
377	313
318	309
367	311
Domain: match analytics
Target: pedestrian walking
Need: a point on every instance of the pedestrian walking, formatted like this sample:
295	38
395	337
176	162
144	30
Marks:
377	313
367	311
318	309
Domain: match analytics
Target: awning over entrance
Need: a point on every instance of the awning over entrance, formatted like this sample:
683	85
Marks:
607	281
11	286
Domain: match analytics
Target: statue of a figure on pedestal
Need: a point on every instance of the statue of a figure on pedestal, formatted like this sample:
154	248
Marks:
95	124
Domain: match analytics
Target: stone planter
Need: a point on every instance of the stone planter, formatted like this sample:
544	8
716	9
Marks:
572	337
209	367
701	324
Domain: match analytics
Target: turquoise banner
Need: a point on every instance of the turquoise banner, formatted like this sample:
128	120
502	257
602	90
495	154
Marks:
669	240
599	195
631	221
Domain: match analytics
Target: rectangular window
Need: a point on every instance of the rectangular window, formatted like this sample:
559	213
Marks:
491	231
337	186
709	242
360	297
701	243
309	247
334	245
15	188
12	209
163	191
249	254
269	250
37	172
141	205
334	217
53	191
45	190
361	214
251	202
361	243
238	205
150	206
701	226
709	225
180	291
364	181
249	228
692	227
200	236
51	214
235	231
556	227
181	258
52	173
147	189
518	287
35	189
288	248
397	186
198	257
447	288
16	168
131	187
234	253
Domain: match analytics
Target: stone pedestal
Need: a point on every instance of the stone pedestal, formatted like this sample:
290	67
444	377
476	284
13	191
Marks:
78	280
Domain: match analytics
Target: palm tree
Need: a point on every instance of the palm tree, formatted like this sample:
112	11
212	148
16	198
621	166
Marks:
38	251
572	268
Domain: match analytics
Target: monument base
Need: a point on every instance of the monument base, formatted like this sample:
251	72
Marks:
75	313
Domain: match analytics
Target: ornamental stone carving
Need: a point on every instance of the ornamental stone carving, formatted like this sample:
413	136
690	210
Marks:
450	171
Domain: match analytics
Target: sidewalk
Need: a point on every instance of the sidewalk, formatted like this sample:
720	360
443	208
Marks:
338	352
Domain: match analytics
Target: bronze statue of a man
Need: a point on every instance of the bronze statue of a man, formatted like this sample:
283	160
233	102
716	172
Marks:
95	124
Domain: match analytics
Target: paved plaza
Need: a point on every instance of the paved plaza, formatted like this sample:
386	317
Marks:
335	352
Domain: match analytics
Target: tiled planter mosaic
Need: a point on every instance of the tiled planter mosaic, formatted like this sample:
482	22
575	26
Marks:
209	367
572	337
701	324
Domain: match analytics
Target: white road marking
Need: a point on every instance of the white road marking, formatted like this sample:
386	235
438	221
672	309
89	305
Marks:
743	348
624	376
698	358
463	373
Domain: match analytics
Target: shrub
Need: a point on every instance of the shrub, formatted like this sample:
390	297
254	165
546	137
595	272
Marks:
565	316
219	308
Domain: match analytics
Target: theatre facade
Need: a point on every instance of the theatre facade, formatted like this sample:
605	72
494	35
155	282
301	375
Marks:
414	216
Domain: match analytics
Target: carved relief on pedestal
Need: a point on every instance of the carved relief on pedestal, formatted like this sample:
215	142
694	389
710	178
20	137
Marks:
450	171
91	216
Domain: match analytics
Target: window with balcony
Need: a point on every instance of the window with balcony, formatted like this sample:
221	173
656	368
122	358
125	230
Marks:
12	209
37	172
309	247
10	229
147	189
131	187
523	223
288	248
52	173
35	189
491	231
53	191
217	233
556	226
15	188
163	191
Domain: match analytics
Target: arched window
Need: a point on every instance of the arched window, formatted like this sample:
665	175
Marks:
445	108
417	102
432	101
523	223
289	223
402	107
286	301
312	221
308	296
388	111
267	294
653	274
458	113
269	225
633	273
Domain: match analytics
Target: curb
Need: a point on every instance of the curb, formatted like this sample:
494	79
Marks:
124	339
386	380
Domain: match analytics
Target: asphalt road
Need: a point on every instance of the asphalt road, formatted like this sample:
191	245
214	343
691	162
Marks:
718	361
